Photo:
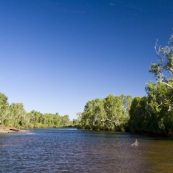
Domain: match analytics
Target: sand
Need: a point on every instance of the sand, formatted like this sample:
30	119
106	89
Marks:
7	129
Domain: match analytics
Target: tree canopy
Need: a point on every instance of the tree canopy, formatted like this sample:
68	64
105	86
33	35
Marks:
110	113
15	115
154	113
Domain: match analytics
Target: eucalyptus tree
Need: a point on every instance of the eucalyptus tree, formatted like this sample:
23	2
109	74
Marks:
138	115
152	113
94	114
164	64
114	111
98	116
3	99
110	113
5	117
161	93
36	118
126	102
159	107
75	122
18	113
56	120
86	117
4	110
64	121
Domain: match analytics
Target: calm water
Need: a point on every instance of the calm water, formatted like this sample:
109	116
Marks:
72	150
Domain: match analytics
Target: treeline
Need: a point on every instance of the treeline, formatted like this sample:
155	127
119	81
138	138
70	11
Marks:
110	113
16	116
152	113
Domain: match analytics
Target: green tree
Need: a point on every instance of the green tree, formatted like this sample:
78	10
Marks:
18	114
4	109
93	114
138	115
110	113
161	93
165	63
154	113
114	110
65	121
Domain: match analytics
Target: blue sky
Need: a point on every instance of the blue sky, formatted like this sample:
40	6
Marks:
56	55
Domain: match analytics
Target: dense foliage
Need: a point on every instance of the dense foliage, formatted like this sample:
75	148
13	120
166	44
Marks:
15	115
110	113
152	113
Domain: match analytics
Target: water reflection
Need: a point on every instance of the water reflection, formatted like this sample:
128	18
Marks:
71	150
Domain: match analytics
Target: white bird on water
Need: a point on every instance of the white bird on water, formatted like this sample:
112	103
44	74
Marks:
135	144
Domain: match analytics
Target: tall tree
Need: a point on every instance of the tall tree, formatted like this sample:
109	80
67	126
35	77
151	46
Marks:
165	63
18	113
4	110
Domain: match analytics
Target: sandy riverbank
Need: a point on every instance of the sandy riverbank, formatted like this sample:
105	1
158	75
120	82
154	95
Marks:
7	129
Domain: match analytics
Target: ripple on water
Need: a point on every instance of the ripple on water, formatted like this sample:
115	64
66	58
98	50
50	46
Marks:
63	150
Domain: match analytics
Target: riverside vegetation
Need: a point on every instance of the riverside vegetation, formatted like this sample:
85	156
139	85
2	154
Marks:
16	116
150	114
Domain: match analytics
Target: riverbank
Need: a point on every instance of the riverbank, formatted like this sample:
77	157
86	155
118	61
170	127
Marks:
8	129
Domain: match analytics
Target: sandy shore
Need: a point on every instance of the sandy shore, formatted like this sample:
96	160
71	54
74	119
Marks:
7	129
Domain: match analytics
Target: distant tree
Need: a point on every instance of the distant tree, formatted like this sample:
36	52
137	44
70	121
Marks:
113	108
4	110
64	120
126	102
15	115
3	98
93	114
75	122
18	113
139	118
110	113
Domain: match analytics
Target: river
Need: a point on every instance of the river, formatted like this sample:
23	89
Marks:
69	150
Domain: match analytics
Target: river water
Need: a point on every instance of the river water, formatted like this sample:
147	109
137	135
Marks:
77	151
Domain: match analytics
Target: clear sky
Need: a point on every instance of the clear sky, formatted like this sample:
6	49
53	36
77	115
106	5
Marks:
55	55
